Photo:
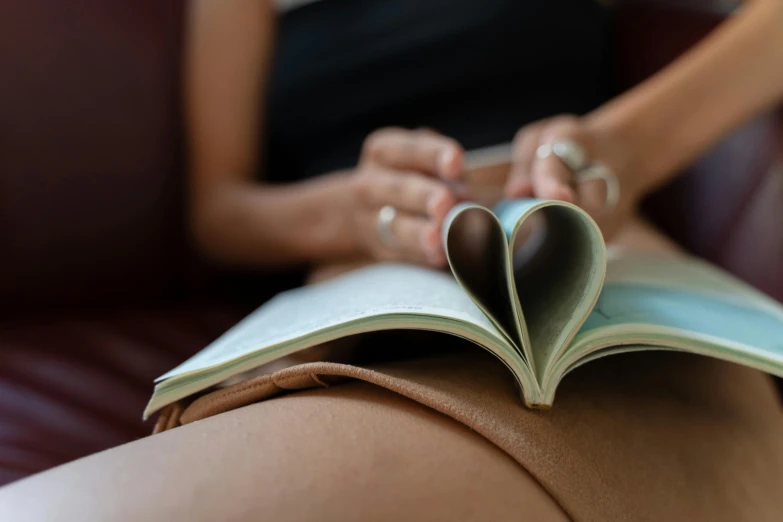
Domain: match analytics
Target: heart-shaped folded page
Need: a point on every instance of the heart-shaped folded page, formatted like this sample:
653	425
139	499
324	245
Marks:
534	267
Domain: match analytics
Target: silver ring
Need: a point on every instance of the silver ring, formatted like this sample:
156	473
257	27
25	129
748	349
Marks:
568	151
574	156
602	172
386	217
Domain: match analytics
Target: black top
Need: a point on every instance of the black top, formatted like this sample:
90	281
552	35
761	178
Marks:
476	70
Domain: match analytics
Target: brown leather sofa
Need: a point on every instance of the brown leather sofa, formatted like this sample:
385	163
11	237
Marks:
99	292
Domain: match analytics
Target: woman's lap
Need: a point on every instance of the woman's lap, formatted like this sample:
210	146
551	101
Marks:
634	437
658	437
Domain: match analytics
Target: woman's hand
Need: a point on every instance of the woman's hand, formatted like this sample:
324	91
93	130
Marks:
405	170
551	178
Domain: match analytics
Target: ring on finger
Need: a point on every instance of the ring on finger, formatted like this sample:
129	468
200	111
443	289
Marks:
604	173
571	153
386	217
574	156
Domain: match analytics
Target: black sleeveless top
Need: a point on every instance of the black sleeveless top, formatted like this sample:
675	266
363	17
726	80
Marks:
476	70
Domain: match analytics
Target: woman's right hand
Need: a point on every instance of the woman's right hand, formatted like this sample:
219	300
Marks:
407	170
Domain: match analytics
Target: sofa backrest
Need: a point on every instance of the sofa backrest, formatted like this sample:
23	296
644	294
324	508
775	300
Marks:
90	185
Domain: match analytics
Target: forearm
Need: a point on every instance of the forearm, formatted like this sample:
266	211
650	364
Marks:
262	225
672	118
233	219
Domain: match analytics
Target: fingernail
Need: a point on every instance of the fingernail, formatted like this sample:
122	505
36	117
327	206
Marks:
446	160
458	189
433	203
553	189
568	194
438	204
430	240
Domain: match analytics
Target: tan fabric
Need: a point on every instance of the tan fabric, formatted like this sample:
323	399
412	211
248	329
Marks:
636	437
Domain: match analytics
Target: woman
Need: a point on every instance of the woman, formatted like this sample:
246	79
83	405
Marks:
352	92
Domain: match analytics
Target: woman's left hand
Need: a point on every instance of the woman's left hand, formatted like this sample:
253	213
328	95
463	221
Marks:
549	177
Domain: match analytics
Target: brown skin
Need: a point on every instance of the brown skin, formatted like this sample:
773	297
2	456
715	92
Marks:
644	136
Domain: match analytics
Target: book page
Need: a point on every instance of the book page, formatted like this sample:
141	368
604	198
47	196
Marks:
680	271
391	290
677	301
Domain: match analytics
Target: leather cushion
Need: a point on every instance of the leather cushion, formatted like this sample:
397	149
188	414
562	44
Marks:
72	386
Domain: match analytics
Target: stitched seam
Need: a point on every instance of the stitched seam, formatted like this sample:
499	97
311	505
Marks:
268	379
294	378
231	393
210	404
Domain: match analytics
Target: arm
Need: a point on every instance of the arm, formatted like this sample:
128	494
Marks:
233	219
651	132
674	117
236	219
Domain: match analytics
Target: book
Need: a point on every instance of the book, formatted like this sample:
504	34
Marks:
530	281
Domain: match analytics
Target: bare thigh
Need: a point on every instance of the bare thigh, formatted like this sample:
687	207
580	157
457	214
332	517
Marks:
351	452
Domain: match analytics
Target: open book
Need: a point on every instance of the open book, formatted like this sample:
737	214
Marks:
530	282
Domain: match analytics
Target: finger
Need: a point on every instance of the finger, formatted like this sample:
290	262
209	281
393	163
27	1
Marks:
520	183
552	179
409	192
416	239
591	196
422	150
419	238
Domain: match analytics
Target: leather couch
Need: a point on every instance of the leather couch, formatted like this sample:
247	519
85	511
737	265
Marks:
99	292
